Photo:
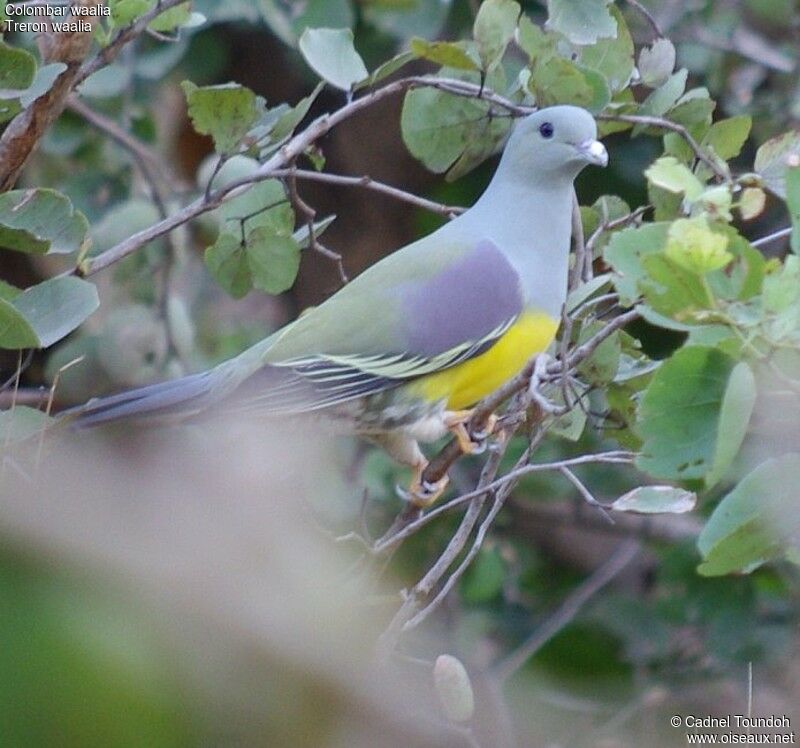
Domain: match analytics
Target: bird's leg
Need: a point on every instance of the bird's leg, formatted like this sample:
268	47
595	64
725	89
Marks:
470	443
421	493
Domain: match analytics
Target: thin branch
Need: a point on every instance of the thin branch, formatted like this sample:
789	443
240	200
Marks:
109	53
665	124
367	182
570	608
780	234
285	156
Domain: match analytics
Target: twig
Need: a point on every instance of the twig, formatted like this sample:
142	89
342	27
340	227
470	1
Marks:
285	156
780	234
367	182
568	610
585	493
665	124
123	37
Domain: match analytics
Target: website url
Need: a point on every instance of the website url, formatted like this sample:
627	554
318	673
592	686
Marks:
733	738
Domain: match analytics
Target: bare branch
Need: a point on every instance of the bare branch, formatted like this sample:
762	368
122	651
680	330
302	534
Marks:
605	574
367	182
780	234
665	124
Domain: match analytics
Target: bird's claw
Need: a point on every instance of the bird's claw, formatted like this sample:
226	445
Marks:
422	493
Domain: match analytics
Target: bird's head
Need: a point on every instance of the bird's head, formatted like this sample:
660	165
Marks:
556	142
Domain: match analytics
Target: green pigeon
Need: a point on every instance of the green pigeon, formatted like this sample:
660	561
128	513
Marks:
400	354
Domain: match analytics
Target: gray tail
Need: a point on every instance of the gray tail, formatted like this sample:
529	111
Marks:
183	396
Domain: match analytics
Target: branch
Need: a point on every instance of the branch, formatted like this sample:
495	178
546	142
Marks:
665	124
284	157
780	234
624	554
22	135
367	182
109	53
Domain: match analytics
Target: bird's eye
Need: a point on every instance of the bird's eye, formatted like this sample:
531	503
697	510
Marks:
546	130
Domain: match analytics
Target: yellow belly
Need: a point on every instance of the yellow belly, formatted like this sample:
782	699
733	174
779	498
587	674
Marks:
463	385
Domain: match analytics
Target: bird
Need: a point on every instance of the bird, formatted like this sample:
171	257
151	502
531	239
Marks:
403	352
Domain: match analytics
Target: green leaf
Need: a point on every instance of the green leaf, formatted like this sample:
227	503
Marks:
728	136
692	245
672	290
559	81
386	69
625	252
226	260
534	41
660	101
17	68
21	423
601	367
773	158
656	500
171	18
656	62
451	54
289	120
274	259
755	522
679	415
124	12
46	313
46	76
224	112
612	57
440	129
669	174
734	418
581	22
40	221
494	28
793	203
331	55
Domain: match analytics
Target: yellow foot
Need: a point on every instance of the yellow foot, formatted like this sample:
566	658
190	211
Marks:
469	443
420	493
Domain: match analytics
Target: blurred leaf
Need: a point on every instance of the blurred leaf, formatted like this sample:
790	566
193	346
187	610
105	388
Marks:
21	423
753	523
121	221
453	688
612	57
331	55
40	221
124	12
601	367
692	245
773	158
680	414
483	580
692	109
494	28
656	500
537	43
656	62
669	174
111	80
302	235
171	18
46	313
224	112
728	136
451	54
793	204
289	120
273	259
734	418
751	203
625	252
17	68
581	22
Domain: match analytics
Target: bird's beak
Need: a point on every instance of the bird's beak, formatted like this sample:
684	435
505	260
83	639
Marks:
594	152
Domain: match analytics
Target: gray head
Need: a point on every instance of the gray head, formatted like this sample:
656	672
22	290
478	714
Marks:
555	143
